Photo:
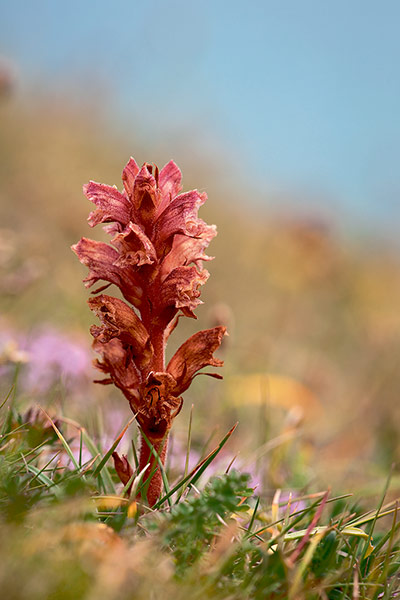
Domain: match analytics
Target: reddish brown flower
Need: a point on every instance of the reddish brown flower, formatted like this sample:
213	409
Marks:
156	259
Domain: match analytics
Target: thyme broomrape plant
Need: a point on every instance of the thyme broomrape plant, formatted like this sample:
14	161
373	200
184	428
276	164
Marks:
156	260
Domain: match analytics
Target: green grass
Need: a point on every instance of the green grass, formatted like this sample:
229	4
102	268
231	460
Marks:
67	530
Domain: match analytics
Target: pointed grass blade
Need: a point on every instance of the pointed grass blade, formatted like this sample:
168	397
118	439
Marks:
302	567
62	440
7	397
189	443
200	467
108	454
368	543
253	516
296	553
49	483
104	478
208	460
134	482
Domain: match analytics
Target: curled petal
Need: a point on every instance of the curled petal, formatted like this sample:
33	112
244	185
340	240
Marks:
181	287
186	250
169	183
101	259
135	248
129	175
193	355
120	321
112	228
146	196
180	216
111	204
117	362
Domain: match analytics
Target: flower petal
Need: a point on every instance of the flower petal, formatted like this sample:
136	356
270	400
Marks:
135	248
117	362
169	182
146	196
111	204
193	355
101	259
112	228
129	175
181	287
186	250
180	216
119	320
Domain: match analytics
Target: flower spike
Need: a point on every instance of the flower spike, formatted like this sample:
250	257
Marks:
156	257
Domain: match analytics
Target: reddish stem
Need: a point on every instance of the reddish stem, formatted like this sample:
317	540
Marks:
146	456
157	339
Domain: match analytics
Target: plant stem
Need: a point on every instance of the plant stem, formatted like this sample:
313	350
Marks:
146	456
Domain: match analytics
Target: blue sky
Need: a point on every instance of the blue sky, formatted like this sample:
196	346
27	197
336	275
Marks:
303	94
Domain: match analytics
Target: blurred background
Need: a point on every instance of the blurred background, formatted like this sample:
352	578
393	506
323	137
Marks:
286	113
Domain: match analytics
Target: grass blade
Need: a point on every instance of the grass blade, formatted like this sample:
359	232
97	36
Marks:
62	440
253	516
189	443
38	473
108	454
104	478
201	466
7	397
212	455
369	540
293	557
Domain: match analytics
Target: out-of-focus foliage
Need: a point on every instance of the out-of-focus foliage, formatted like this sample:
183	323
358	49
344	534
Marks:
70	529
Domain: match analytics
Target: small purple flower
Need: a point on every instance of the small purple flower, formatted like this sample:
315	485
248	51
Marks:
55	356
48	356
